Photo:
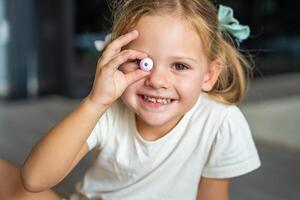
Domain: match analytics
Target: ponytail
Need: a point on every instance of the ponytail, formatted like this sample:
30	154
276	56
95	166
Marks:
231	85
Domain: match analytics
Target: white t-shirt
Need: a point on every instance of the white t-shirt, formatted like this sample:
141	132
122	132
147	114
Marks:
211	140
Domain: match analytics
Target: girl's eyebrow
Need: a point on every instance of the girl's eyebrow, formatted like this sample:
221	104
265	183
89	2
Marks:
184	57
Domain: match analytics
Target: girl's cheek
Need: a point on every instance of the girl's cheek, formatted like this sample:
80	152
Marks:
128	67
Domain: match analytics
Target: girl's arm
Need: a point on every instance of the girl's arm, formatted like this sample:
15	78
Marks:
62	148
58	152
212	189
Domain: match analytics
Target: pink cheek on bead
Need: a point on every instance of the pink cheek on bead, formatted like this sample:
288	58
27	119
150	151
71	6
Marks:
146	64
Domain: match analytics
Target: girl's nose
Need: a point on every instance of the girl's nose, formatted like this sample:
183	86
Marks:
157	79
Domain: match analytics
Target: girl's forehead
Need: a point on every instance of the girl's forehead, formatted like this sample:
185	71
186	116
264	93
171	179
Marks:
167	34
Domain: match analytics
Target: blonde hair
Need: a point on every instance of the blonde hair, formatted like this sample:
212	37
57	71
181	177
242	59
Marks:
202	15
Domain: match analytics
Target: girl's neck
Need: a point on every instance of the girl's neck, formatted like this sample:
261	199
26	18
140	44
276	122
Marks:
152	133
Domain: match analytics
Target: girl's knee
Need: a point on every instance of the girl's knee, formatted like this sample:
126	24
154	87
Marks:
11	186
7	167
9	178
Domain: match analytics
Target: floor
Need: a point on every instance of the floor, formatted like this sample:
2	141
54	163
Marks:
274	122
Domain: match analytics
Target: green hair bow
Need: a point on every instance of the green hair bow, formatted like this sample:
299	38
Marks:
228	23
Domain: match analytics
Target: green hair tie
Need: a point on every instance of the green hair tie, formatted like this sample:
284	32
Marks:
231	25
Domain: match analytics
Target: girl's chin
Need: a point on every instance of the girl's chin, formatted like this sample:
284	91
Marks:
151	121
157	120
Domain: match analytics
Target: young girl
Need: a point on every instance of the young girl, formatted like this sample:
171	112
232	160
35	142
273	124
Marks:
174	133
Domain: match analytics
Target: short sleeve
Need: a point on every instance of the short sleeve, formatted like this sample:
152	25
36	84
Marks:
99	134
233	152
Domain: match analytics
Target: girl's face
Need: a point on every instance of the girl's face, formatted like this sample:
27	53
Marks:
179	74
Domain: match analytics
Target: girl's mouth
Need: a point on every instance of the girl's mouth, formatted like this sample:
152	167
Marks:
155	101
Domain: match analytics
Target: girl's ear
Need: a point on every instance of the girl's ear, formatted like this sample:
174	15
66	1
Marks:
212	74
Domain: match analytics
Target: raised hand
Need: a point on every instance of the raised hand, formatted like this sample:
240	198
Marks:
110	82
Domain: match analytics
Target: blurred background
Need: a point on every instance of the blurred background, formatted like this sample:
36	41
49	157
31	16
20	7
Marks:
47	64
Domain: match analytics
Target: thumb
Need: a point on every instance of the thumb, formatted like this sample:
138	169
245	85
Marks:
135	76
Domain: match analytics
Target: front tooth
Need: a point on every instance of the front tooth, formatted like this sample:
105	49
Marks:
153	100
161	101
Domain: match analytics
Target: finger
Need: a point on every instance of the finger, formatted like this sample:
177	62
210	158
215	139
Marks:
123	57
135	76
115	46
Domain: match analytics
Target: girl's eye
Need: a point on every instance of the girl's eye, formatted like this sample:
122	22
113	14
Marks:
180	66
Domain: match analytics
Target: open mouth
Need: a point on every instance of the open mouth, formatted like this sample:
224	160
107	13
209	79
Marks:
156	100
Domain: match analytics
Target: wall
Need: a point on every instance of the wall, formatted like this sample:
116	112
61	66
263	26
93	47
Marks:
4	36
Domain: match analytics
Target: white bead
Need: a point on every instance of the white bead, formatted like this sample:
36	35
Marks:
146	64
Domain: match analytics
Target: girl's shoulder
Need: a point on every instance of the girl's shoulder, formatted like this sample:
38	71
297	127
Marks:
210	108
218	118
232	148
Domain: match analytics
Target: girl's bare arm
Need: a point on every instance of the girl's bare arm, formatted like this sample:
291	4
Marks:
212	189
62	148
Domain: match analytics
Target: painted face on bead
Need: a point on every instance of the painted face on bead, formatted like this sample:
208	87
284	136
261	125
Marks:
179	74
